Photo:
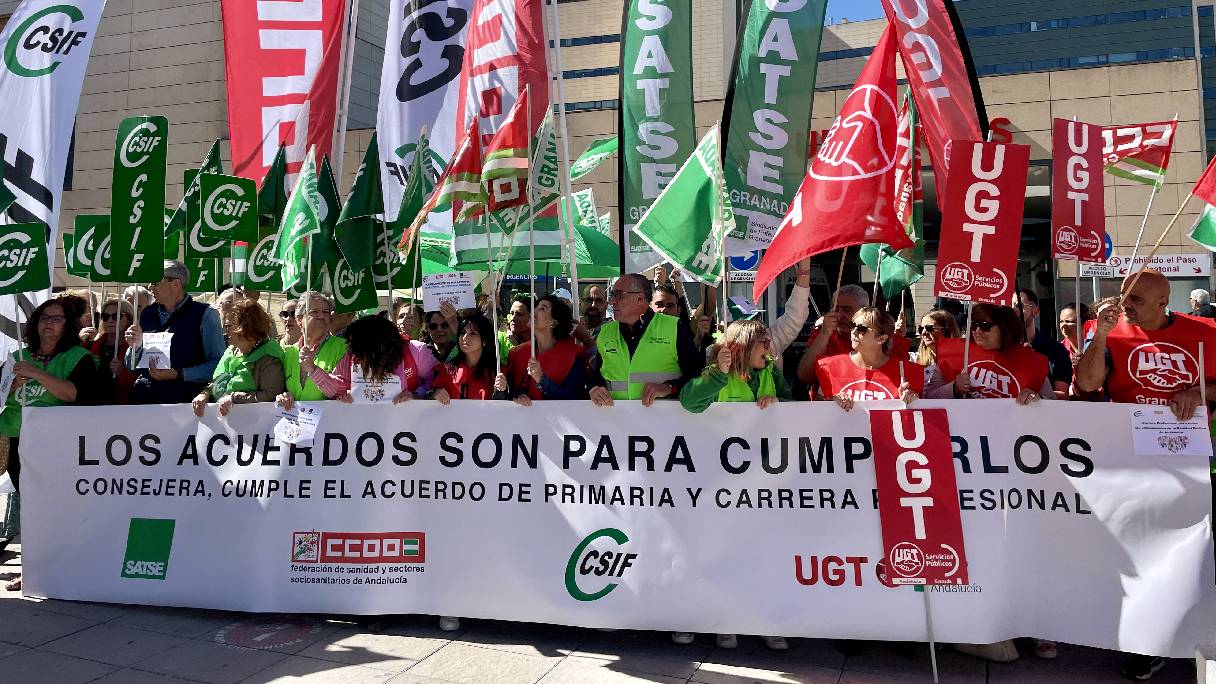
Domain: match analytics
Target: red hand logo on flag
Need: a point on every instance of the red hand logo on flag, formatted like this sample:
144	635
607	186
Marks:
857	144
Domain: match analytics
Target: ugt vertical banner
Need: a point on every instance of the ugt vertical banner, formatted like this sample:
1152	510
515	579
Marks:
1078	197
282	66
657	129
981	232
922	525
766	120
137	200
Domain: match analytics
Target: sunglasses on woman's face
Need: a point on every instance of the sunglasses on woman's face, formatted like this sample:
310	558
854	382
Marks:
860	330
436	326
929	329
287	315
983	326
109	317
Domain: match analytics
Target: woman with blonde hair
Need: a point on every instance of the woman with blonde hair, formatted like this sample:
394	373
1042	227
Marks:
871	372
935	326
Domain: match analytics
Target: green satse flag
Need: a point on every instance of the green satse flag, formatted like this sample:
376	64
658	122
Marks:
210	165
1204	230
767	113
358	229
137	196
272	193
593	156
657	128
897	271
688	222
301	219
24	268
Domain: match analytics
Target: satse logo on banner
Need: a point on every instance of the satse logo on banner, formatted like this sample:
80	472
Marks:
358	547
602	561
38	45
149	542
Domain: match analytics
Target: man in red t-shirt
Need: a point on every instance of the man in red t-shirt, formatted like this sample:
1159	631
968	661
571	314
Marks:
1152	355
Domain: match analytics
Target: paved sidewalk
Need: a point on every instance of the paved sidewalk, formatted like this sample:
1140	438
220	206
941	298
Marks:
66	642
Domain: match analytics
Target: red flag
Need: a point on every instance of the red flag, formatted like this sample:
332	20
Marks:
936	67
505	172
282	72
1205	189
848	196
461	178
1139	152
1078	209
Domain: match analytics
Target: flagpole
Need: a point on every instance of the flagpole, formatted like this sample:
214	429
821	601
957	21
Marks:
967	342
1078	318
388	266
839	277
485	219
1157	245
531	230
567	187
1143	222
348	65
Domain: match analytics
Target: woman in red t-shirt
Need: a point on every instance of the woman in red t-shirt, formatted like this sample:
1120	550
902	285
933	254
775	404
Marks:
472	374
999	364
871	372
559	368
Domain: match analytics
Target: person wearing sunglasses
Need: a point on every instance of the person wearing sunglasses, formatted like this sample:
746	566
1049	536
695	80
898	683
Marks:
196	347
292	332
643	355
439	332
318	352
934	326
52	370
872	371
119	380
999	364
831	335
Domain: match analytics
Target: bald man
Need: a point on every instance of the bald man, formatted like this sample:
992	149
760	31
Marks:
1151	356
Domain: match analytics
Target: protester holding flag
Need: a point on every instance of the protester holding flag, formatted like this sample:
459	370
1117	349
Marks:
642	354
317	349
831	335
786	329
1000	365
873	371
472	374
519	325
116	316
440	331
558	369
375	349
252	368
743	370
408	316
194	351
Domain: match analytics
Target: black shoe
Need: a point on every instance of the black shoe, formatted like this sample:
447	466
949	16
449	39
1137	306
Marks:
1142	667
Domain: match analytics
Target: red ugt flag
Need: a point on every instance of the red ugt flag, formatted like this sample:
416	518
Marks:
848	196
1205	189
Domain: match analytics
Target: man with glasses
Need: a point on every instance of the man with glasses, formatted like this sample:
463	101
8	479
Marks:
194	351
318	348
1058	361
595	305
642	354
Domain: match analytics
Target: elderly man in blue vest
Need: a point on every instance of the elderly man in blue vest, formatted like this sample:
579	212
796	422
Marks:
194	350
643	355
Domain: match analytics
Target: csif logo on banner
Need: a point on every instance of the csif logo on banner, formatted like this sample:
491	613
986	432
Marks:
40	42
602	561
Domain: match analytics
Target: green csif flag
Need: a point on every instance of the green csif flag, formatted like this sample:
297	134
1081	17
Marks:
593	156
657	128
897	271
198	245
91	247
301	219
179	220
24	267
689	221
228	208
767	114
272	192
137	197
359	232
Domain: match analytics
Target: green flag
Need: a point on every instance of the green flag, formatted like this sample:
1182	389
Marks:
262	271
91	246
593	156
24	267
173	241
272	192
687	223
657	125
206	275
69	255
301	219
1204	230
137	197
767	113
322	247
228	206
358	228
197	245
897	271
210	165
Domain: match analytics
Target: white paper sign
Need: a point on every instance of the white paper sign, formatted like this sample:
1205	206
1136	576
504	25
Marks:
1156	432
156	346
365	391
299	425
456	288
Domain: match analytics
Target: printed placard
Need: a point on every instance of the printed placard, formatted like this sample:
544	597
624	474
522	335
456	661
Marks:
156	346
456	288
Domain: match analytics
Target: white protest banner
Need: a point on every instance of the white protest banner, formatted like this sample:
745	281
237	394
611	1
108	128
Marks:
455	287
735	520
156	346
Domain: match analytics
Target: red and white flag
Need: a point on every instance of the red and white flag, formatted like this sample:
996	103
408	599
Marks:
1139	152
1078	197
507	158
949	104
977	257
848	196
282	67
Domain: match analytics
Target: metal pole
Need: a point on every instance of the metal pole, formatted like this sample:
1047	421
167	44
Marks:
1080	323
929	631
531	233
348	61
967	343
567	188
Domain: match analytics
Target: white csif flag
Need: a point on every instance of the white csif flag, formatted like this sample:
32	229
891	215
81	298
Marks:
44	49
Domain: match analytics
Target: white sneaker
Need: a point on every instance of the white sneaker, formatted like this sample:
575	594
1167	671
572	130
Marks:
776	643
727	641
682	638
447	623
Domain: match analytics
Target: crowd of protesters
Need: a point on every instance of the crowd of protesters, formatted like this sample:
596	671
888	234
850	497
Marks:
653	347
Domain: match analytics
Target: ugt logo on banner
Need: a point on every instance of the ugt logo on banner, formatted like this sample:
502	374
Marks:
982	221
922	528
